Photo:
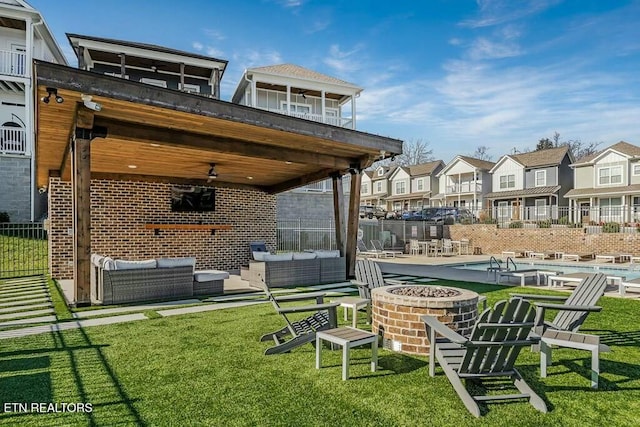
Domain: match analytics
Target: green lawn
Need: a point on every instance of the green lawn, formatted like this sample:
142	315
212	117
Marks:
22	255
209	369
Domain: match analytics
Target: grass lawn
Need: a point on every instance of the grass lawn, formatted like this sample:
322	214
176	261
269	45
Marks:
209	369
22	255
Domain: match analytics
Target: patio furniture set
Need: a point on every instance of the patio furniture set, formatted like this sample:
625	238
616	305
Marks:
489	352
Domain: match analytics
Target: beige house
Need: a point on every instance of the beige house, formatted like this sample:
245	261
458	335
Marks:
607	185
411	187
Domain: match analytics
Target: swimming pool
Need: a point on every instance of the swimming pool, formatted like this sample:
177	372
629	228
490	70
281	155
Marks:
629	271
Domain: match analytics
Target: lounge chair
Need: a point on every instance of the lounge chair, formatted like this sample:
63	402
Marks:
613	257
489	353
377	247
362	250
580	256
304	330
515	253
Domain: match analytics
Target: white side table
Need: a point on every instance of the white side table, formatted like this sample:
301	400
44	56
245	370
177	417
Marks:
353	303
347	338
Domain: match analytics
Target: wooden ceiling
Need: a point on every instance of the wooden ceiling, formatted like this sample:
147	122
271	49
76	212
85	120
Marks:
160	134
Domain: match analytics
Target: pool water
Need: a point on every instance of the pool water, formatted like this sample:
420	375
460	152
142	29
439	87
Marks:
629	271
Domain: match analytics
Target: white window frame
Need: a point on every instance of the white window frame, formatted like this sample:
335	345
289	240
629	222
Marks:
379	187
541	208
610	174
538	174
380	172
153	82
636	169
296	106
364	188
504	210
401	187
508	183
419	184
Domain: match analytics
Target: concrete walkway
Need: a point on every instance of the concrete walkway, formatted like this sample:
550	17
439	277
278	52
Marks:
23	302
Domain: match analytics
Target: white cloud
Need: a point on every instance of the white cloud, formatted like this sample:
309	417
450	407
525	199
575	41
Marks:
212	51
343	62
197	46
494	12
214	34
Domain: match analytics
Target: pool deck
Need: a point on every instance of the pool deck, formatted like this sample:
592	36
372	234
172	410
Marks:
441	268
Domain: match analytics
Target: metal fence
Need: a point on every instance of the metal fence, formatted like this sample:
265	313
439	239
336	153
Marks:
23	249
296	235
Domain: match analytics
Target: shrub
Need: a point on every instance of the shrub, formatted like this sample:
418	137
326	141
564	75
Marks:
611	227
563	220
4	217
515	224
544	224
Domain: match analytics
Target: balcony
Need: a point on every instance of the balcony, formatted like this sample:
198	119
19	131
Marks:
13	63
464	188
13	140
330	120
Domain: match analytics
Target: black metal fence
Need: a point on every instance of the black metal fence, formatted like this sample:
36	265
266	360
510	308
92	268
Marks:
23	249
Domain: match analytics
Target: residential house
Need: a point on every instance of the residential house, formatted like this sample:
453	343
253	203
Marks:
366	189
150	64
411	186
607	185
531	186
380	185
300	92
463	182
24	36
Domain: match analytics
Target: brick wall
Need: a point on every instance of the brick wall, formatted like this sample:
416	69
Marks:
120	209
494	240
15	187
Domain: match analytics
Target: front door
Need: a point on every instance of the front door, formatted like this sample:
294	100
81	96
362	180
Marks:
515	210
585	207
18	59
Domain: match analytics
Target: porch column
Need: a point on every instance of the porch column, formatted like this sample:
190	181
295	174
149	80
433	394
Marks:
289	100
324	107
123	68
28	117
254	95
352	221
181	76
81	196
338	211
353	111
216	83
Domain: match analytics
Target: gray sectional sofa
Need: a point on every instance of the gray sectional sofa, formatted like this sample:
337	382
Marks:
297	269
122	281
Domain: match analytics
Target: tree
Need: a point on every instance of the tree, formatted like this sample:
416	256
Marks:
481	153
414	152
577	147
544	144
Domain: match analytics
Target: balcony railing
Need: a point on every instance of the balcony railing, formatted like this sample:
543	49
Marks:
464	187
13	140
330	120
13	63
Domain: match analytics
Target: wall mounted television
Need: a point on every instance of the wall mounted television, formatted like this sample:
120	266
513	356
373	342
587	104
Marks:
192	198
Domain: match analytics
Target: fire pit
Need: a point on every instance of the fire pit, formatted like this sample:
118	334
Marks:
396	312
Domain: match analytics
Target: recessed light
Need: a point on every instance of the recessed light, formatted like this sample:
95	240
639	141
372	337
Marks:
249	177
287	162
132	166
155	145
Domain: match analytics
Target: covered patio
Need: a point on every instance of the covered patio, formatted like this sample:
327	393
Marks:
110	150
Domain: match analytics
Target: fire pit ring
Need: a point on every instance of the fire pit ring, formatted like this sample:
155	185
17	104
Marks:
396	312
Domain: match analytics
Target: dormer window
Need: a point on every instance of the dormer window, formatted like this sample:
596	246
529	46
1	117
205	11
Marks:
380	172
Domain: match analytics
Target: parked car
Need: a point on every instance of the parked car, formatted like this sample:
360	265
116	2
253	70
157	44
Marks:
446	215
411	215
370	212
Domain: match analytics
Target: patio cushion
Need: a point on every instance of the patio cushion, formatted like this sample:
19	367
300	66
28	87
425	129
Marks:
304	255
279	257
177	262
327	254
135	265
96	260
210	275
259	255
108	263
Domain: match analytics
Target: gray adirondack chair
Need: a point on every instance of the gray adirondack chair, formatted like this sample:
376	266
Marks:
369	276
573	310
304	330
490	352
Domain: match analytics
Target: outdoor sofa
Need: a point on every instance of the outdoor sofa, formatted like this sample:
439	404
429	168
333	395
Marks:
297	268
116	281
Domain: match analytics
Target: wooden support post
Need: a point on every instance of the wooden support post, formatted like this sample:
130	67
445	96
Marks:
216	84
352	221
182	76
123	66
338	211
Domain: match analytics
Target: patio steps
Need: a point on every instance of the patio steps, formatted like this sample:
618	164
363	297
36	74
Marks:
25	302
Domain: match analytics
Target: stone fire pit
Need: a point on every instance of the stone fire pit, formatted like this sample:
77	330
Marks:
396	312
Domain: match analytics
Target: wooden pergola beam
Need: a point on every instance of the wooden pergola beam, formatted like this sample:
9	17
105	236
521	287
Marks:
338	212
353	219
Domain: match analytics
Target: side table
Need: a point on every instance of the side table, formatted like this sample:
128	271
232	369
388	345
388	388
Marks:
347	338
354	303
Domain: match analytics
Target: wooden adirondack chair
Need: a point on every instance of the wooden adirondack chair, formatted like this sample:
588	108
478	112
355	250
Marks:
490	352
304	330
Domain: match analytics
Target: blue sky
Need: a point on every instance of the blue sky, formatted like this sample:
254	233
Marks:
456	73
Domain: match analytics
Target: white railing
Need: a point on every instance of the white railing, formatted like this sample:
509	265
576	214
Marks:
464	187
13	140
330	120
13	63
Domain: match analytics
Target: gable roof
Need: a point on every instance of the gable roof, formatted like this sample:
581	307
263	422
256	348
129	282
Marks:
548	157
292	70
621	147
424	168
478	163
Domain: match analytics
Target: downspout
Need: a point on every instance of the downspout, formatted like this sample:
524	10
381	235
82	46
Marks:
253	92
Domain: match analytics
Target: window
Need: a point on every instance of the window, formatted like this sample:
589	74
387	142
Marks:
507	181
297	108
636	168
503	209
400	187
364	189
153	82
541	178
610	175
187	87
611	208
380	172
379	187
